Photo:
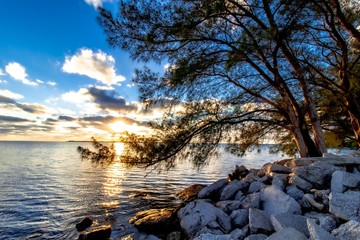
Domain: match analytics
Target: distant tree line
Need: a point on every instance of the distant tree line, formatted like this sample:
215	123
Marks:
241	71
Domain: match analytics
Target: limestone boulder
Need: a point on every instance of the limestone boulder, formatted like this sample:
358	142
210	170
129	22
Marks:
276	201
190	193
318	174
230	190
256	186
228	206
345	205
259	222
287	233
287	220
318	233
239	218
200	216
325	220
342	181
300	183
256	237
348	231
294	192
251	201
213	191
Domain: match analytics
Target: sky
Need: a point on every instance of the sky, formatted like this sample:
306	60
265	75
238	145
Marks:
59	79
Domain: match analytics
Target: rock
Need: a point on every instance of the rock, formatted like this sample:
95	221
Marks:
341	181
300	183
213	190
278	181
101	233
200	216
294	192
251	201
239	218
256	237
287	220
318	174
259	221
326	221
156	220
190	193
348	231
228	206
309	198
256	186
84	224
321	195
174	236
287	233
276	201
238	173
273	167
231	190
239	196
141	236
345	205
338	161
318	233
236	234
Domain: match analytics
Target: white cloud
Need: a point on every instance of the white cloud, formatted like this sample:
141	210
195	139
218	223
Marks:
39	81
81	96
18	72
9	94
130	85
96	3
51	83
3	81
98	66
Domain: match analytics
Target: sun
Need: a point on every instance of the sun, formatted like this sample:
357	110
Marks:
119	126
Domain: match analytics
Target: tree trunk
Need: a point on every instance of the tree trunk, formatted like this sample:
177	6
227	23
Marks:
353	106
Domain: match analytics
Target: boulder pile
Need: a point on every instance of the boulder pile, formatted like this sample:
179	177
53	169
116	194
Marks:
306	198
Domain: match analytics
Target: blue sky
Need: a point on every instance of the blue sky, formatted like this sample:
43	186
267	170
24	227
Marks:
59	79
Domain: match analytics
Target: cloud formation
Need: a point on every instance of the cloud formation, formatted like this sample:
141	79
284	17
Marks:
9	94
18	72
96	3
97	65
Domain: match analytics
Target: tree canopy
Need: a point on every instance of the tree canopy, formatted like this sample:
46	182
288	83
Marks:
240	71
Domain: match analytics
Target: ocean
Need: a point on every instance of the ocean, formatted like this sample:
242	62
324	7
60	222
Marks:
45	188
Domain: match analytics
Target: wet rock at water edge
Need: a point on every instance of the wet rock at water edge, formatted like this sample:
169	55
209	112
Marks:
101	233
156	220
238	173
190	193
84	224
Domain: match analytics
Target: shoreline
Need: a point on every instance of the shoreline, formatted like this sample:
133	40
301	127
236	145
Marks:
315	198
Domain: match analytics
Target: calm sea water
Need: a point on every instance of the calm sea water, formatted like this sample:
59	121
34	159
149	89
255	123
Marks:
45	189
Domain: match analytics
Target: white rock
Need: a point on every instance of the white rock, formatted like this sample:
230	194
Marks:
287	233
228	206
318	233
348	231
276	201
294	192
345	205
213	190
230	190
300	183
202	217
239	218
259	221
287	220
341	181
256	186
325	220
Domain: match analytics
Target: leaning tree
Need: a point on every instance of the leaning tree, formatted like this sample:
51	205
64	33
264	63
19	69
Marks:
236	74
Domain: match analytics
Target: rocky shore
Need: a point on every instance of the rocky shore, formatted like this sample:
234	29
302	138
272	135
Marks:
306	198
